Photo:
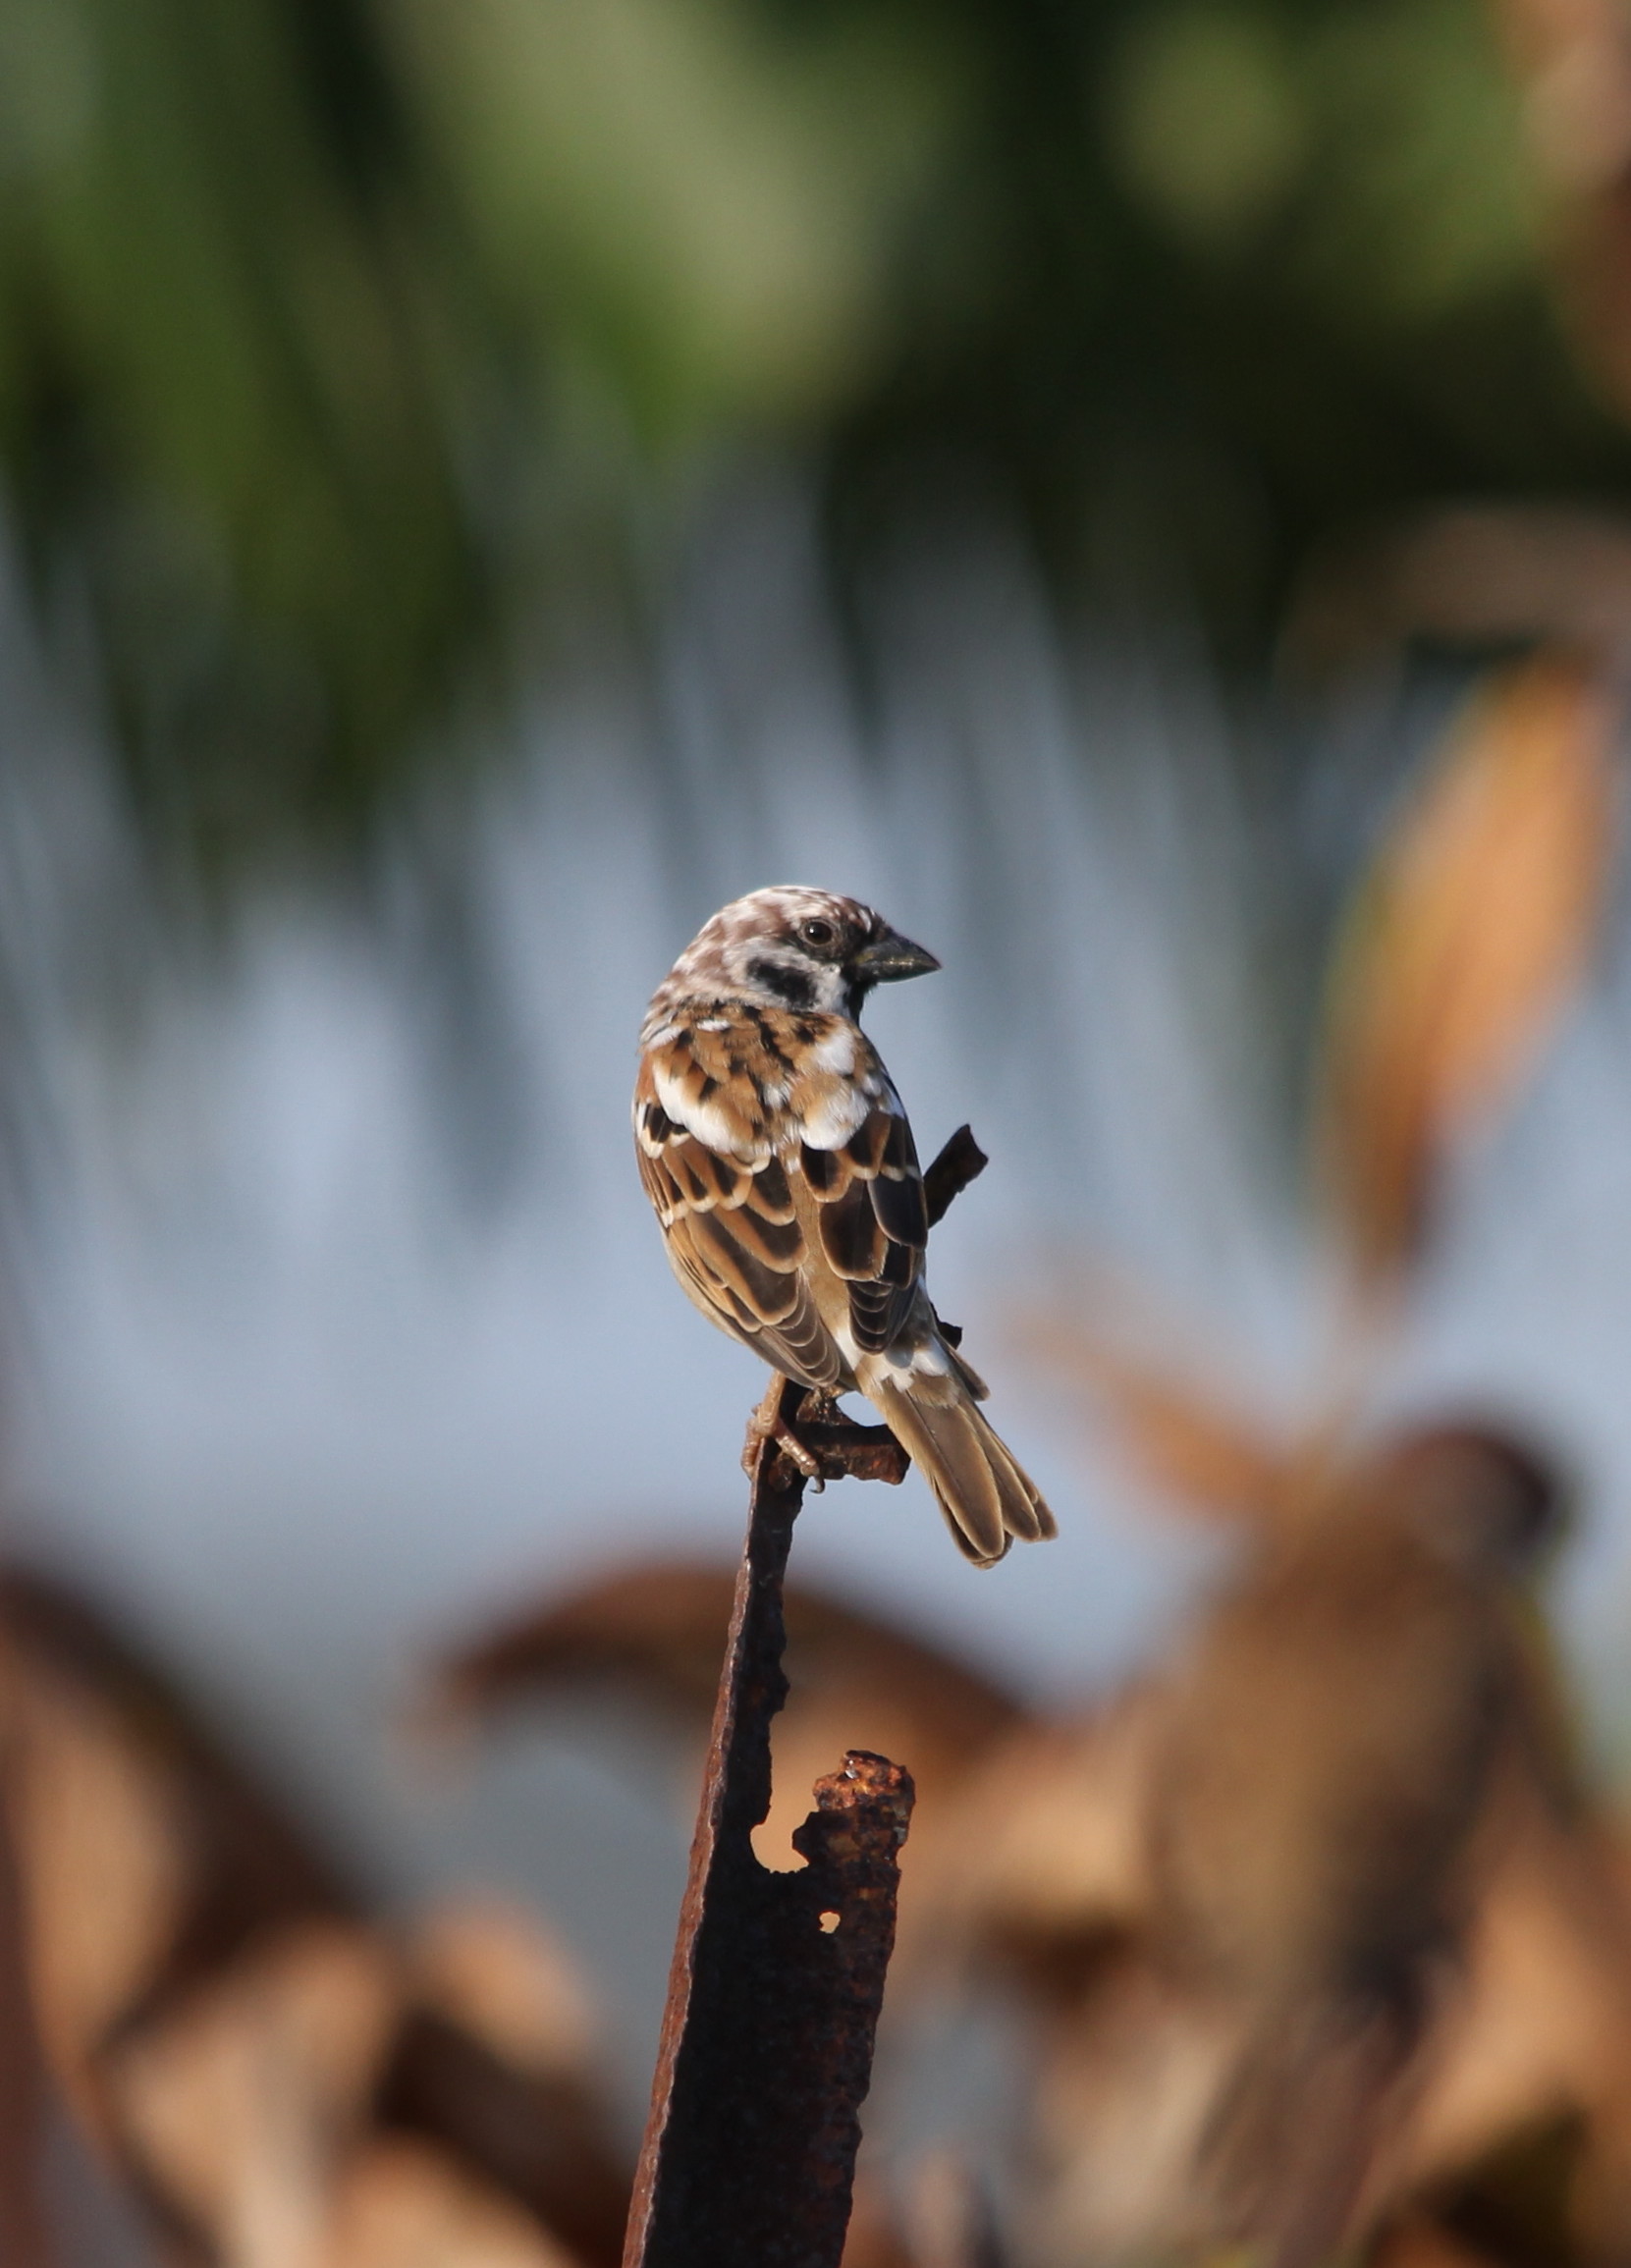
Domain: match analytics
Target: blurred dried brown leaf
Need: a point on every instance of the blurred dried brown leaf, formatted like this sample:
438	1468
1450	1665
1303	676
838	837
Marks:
247	2099
1417	2243
874	2239
238	1863
499	1973
1232	1897
405	2205
25	2105
233	2029
1474	925
1528	2094
935	2216
947	2214
1572	59
1060	1863
494	2060
105	1870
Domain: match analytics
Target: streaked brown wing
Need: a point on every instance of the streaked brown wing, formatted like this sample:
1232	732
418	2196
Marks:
873	1221
736	1244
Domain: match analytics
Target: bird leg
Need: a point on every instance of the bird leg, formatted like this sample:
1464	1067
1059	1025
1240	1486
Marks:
819	1441
775	1422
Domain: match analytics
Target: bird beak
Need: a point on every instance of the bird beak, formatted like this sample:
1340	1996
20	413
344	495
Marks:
889	958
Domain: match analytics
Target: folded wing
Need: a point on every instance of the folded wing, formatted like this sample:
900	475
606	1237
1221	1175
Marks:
873	1221
736	1244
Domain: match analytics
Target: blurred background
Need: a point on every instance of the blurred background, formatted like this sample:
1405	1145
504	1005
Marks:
1139	491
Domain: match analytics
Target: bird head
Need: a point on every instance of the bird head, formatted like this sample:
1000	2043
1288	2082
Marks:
800	948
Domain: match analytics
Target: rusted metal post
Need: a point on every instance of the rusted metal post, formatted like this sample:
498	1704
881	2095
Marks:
777	1979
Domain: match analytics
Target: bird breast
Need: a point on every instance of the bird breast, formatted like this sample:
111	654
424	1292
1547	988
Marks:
749	1081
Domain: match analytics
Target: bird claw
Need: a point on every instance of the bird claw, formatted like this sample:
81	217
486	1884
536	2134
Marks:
818	1440
772	1423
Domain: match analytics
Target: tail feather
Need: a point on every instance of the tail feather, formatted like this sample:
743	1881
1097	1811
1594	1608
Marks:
986	1495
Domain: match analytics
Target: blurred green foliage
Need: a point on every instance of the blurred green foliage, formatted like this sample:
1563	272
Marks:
337	338
223	398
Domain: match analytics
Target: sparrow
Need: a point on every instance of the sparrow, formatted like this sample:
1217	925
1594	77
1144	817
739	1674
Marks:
781	1164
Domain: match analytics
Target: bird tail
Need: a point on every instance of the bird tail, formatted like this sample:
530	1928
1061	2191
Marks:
987	1497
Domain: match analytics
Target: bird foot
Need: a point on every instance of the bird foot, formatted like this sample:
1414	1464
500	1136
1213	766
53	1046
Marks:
775	1422
818	1440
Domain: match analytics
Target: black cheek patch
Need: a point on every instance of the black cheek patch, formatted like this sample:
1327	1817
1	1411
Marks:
787	984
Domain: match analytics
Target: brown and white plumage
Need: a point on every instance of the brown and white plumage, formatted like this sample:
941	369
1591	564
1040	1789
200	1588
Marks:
781	1167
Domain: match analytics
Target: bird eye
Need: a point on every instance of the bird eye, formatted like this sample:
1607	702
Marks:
816	932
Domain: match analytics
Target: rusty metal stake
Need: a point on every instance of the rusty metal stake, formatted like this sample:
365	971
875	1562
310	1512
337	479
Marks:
777	1980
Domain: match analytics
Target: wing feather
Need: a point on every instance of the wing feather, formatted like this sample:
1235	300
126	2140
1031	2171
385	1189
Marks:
851	1234
734	1229
873	1220
734	1241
